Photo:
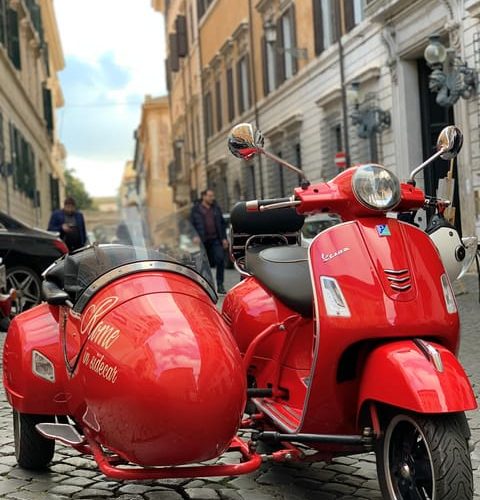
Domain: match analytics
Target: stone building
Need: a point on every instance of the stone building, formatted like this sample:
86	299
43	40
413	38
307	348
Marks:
31	156
319	77
152	157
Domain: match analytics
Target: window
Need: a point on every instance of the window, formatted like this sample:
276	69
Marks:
202	6
182	41
3	22
23	159
269	59
288	43
54	193
208	115
230	95
13	41
324	23
218	104
243	85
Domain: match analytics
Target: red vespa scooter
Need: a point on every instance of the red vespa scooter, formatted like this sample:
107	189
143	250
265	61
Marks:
347	347
351	344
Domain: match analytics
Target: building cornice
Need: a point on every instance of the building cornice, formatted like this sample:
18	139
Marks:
53	35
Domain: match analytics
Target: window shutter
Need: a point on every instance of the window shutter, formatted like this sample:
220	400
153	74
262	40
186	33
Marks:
182	40
266	83
230	95
293	28
280	54
336	19
174	61
218	104
168	76
48	110
2	144
3	22
318	26
241	107
13	40
200	8
349	14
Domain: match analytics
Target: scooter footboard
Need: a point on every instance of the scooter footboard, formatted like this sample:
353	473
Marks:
420	376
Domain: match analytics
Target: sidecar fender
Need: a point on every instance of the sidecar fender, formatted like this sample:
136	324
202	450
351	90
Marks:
36	329
402	375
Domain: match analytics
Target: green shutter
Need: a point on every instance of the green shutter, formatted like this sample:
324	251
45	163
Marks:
3	22
13	39
48	110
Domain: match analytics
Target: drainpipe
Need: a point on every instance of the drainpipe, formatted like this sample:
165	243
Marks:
254	94
340	16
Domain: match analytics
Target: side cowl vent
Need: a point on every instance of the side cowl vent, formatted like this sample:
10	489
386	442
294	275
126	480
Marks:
399	279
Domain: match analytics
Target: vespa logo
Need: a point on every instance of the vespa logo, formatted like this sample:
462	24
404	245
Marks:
329	256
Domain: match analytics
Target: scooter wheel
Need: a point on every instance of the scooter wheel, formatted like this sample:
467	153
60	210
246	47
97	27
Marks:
425	457
32	450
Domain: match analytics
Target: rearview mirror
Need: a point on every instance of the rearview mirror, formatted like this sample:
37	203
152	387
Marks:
244	142
450	141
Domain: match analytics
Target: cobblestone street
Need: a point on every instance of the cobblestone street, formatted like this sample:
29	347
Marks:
72	476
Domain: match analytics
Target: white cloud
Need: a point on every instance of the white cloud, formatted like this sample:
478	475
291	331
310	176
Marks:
101	177
116	50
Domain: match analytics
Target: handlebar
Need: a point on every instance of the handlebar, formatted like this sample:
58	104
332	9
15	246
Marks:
263	205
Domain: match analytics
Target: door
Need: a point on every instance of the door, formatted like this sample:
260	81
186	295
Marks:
434	119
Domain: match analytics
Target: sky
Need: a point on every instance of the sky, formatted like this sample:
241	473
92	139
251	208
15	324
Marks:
114	55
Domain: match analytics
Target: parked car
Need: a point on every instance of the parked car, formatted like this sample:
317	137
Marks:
26	253
315	224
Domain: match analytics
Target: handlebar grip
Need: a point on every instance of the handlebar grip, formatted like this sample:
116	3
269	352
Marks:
254	205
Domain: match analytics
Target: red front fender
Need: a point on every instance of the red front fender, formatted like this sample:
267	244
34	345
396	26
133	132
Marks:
400	374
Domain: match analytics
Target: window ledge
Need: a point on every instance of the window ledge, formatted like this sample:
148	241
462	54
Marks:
473	8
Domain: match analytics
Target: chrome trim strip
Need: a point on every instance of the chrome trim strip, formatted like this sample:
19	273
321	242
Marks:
398	280
274	415
430	353
138	267
395	271
400	288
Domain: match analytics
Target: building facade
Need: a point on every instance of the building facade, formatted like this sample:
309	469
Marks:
31	156
320	77
152	158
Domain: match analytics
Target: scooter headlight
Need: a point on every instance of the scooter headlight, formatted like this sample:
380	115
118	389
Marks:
375	187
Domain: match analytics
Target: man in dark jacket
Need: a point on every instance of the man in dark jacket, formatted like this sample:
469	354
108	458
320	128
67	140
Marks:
207	219
69	222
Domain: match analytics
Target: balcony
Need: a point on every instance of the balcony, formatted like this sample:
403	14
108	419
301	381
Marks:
379	10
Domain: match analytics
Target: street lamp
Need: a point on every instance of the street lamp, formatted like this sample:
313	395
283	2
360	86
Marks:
369	119
451	78
270	30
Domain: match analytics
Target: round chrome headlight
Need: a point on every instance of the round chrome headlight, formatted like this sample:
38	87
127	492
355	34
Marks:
375	187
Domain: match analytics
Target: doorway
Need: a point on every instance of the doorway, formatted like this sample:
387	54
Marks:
434	118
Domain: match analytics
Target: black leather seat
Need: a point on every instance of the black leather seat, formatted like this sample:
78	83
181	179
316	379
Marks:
284	270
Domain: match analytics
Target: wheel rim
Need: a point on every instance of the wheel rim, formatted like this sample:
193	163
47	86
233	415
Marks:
27	287
408	461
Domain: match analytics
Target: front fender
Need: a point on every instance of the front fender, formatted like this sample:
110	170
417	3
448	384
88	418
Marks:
400	374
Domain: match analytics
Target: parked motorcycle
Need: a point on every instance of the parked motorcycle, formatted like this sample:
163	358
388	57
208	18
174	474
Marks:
346	346
6	299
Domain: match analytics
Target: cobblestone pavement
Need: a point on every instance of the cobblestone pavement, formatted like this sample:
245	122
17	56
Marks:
73	476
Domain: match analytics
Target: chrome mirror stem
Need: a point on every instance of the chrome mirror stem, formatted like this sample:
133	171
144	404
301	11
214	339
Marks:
427	162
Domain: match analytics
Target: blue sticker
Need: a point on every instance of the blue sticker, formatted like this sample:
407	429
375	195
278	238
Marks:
383	230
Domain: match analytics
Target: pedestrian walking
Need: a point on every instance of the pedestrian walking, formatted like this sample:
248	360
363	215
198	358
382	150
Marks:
208	221
69	222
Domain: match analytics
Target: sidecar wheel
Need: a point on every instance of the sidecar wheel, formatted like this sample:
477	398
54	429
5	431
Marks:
32	450
425	458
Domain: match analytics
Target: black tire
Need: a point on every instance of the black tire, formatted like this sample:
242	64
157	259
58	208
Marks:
32	450
424	457
28	285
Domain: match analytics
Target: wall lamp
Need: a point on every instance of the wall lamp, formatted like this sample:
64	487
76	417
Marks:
367	117
451	78
270	30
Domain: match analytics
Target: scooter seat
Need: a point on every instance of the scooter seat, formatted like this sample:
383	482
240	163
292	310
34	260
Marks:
284	270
